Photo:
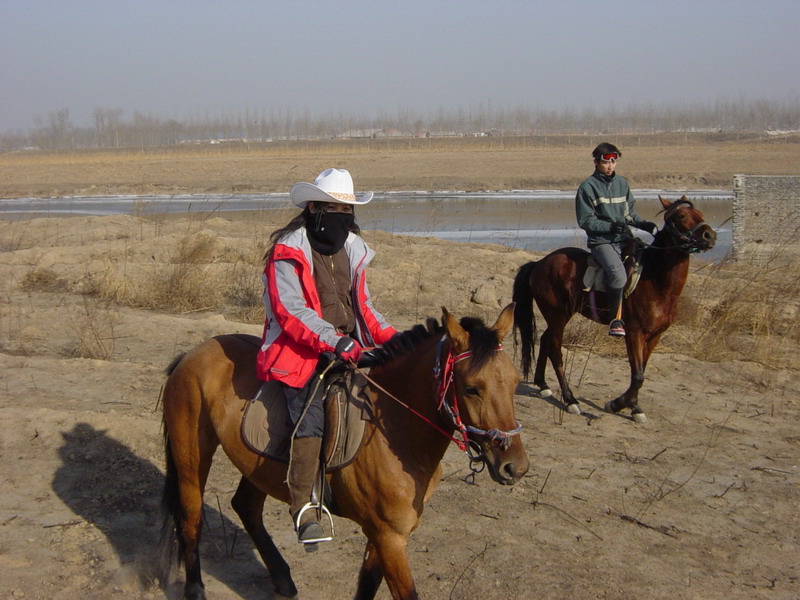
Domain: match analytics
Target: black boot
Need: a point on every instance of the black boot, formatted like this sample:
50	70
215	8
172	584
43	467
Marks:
616	327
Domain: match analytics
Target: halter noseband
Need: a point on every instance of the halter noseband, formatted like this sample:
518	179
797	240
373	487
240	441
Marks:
684	240
443	375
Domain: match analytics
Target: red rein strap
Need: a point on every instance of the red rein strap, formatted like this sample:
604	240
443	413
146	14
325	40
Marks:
456	441
444	377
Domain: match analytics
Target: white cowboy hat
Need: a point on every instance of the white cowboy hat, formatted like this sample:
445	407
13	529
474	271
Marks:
332	185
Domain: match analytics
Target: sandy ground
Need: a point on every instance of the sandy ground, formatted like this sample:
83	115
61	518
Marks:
700	502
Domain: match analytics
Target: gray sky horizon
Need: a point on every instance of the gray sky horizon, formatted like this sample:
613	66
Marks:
194	59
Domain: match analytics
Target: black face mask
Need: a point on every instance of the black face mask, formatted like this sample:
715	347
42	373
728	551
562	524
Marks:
328	232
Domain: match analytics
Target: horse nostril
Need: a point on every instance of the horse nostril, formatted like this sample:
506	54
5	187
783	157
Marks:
509	470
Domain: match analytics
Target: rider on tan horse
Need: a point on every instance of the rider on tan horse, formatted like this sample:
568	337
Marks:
317	301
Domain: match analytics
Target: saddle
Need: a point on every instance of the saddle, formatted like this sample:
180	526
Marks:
594	278
266	428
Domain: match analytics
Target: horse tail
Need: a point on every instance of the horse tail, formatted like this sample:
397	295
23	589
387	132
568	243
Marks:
524	321
171	542
174	364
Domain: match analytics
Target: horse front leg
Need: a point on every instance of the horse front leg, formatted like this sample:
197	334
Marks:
370	576
248	502
639	350
391	559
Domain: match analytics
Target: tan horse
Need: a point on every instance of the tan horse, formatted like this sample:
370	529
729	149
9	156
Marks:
385	488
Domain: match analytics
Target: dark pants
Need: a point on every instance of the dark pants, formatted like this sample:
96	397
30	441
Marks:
312	424
609	256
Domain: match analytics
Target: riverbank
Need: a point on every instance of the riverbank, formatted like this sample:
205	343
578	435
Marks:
657	161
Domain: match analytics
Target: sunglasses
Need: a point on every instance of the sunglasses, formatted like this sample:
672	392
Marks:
610	157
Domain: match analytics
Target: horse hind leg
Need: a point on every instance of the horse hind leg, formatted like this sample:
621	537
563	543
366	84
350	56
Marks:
551	348
541	365
248	502
183	502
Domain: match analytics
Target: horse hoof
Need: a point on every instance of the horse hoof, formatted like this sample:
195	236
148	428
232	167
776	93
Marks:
545	393
609	407
639	417
286	590
574	409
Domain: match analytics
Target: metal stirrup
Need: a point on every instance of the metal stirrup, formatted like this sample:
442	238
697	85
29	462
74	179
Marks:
324	510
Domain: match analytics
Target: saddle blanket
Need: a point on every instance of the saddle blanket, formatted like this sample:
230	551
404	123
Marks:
594	278
266	428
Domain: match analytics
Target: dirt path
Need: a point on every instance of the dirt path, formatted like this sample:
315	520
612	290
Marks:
701	502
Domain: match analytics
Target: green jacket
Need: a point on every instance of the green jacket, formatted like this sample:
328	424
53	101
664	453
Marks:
602	201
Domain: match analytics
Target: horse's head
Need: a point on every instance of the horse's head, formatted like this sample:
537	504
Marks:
485	382
686	226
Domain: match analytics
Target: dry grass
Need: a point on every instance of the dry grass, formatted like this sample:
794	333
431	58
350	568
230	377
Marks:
746	310
733	310
729	311
535	162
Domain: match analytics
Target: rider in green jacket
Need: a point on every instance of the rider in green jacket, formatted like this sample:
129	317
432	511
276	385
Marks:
604	207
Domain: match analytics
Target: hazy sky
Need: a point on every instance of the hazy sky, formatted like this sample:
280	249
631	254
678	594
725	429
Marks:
182	59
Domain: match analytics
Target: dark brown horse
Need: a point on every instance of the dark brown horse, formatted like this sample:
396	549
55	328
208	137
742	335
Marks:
385	488
556	284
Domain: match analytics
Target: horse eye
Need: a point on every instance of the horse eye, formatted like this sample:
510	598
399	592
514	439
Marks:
472	391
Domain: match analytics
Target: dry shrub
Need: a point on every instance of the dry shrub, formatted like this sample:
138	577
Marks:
745	310
93	323
202	274
42	279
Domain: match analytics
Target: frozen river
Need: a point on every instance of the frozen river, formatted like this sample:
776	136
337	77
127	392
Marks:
534	220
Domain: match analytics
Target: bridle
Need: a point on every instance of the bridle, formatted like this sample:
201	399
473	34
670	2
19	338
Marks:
683	240
443	374
447	405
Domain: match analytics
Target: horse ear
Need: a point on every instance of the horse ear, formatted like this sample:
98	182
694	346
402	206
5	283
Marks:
458	336
665	203
504	322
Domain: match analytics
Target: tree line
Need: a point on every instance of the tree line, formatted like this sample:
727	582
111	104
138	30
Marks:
111	129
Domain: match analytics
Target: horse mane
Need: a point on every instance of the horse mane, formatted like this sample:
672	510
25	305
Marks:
653	255
483	341
403	342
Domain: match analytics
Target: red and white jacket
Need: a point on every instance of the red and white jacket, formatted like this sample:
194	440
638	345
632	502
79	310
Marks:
295	334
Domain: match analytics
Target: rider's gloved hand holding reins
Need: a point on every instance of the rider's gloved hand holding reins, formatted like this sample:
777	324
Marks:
348	349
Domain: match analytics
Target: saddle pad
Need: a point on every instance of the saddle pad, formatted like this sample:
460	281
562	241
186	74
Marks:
348	408
594	277
266	427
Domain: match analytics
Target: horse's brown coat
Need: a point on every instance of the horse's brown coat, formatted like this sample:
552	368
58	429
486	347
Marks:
555	283
383	490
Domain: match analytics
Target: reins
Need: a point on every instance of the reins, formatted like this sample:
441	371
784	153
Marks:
443	375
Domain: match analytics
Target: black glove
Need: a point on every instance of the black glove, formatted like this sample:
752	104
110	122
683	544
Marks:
619	228
647	226
348	349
